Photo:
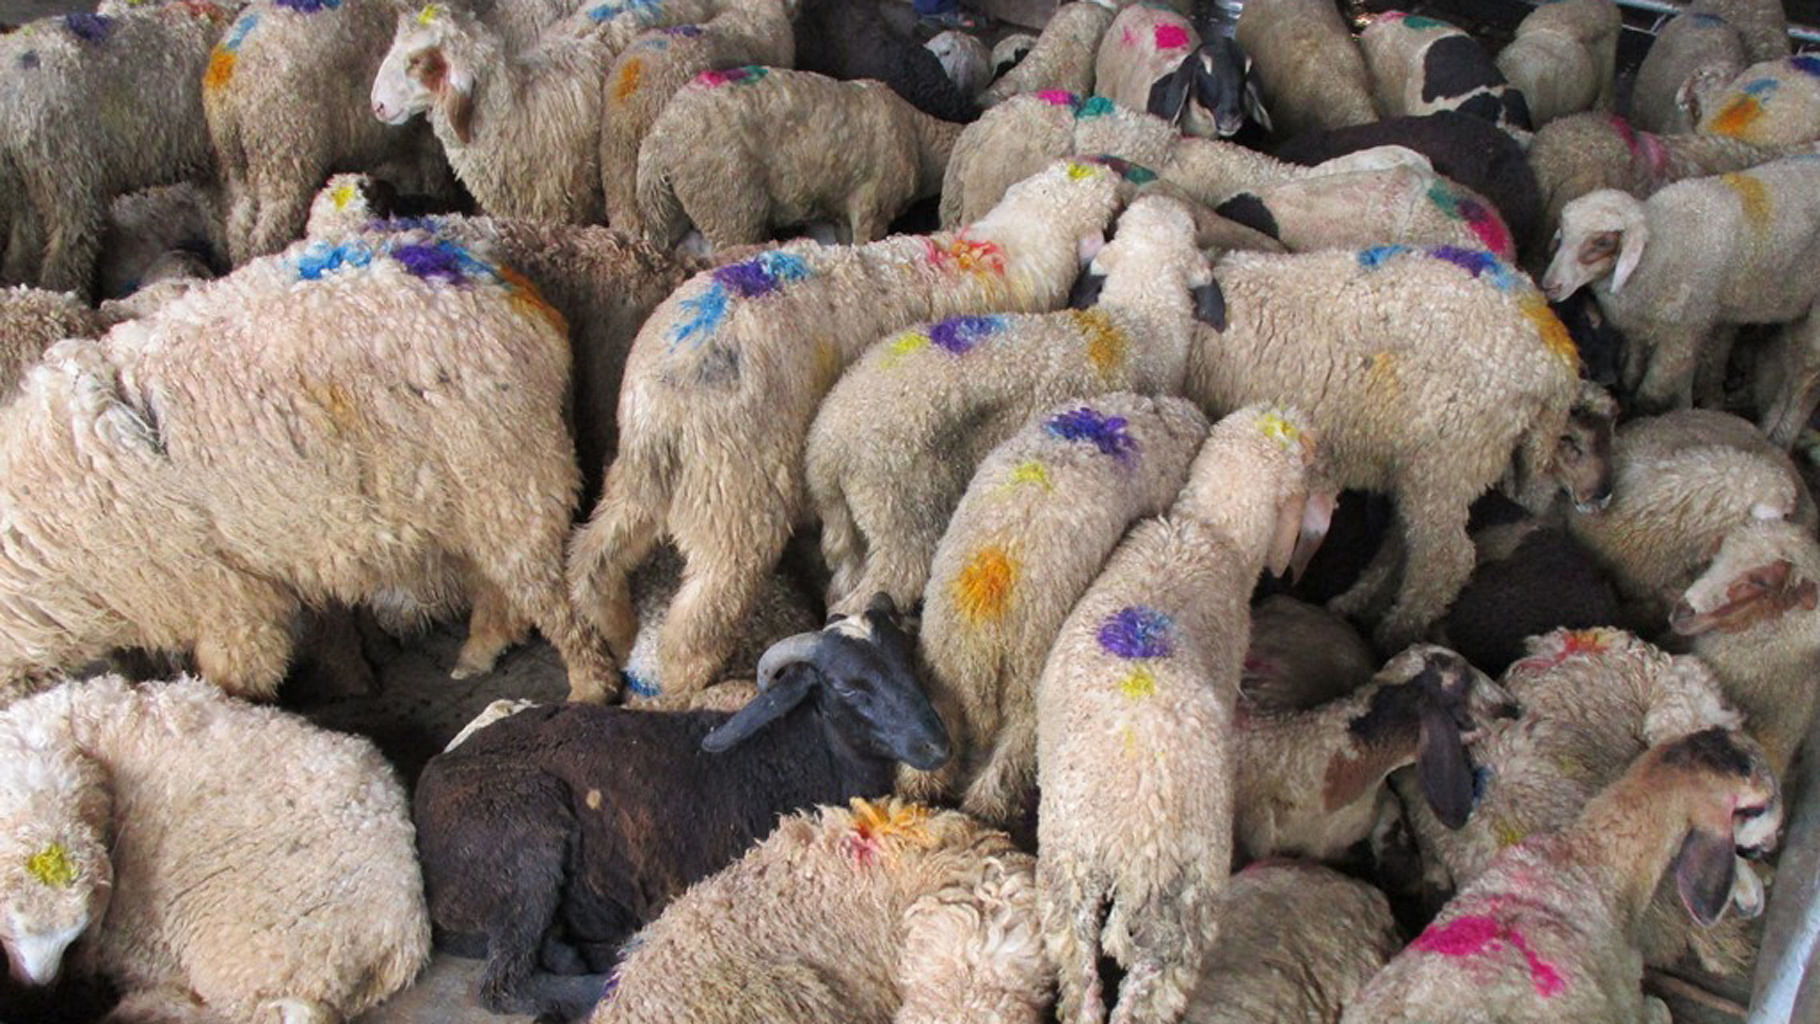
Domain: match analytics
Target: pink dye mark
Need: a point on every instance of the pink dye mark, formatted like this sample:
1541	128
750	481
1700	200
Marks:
1057	97
1171	37
1488	228
1128	37
1475	934
1393	16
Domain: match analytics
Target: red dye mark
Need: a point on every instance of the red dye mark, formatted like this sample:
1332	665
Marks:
1476	934
964	255
1057	97
1487	228
1573	642
1171	37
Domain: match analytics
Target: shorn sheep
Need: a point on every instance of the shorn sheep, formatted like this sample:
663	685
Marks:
62	161
1041	515
1409	404
887	911
1420	65
896	440
553	834
1548	932
725	377
199	850
255	449
1563	58
1135	709
856	154
1062	59
1694	257
1309	68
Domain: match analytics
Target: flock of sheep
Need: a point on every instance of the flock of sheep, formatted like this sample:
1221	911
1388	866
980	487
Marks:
1029	737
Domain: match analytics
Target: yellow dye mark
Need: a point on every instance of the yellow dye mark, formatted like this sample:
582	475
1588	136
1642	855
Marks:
1139	684
983	589
342	195
1754	197
338	403
220	69
1081	172
1278	428
1506	833
1106	344
1738	117
525	296
903	345
1571	767
891	818
429	13
1381	375
51	866
1549	326
1129	738
627	82
1030	471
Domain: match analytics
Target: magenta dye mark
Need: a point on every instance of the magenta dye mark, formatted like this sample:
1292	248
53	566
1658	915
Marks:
1476	934
1058	97
1136	631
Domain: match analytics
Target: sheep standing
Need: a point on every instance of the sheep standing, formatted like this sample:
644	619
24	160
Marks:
1062	59
1564	58
885	912
1309	69
1409	403
205	851
1420	65
254	451
725	376
896	440
1692	58
858	154
62	162
1776	103
1152	59
1038	520
1135	726
1549	931
1696	256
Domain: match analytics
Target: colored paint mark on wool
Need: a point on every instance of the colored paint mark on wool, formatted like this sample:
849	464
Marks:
1031	471
322	258
1477	934
51	867
90	28
1058	98
1423	24
1107	433
1807	64
959	253
765	274
1137	174
343	194
684	31
1095	106
1171	37
525	296
1485	223
1378	255
440	260
639	685
959	335
982	589
626	82
1554	334
1137	631
1737	117
221	58
1477	263
747	75
1106	344
877	825
905	344
1277	427
640	10
308	6
1139	684
1572	643
1753	198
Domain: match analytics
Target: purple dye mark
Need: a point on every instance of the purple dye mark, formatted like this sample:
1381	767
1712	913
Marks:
1807	64
959	334
90	28
1475	934
1058	97
438	259
1105	432
309	6
761	275
686	31
1477	263
1136	632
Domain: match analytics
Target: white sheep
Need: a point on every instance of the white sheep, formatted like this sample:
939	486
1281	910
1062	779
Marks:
220	861
856	153
1422	65
1309	69
966	60
1774	103
1038	520
887	911
1152	59
1694	57
896	440
1062	59
1135	730
96	105
254	453
1564	58
1549	931
724	379
1424	370
31	319
1695	256
1405	203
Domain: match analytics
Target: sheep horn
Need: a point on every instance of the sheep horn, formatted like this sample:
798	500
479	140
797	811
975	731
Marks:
803	647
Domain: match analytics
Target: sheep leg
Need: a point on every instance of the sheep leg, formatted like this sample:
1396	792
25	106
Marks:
1001	788
1071	933
618	536
530	579
282	188
492	628
1668	383
73	216
330	661
245	646
1378	579
1709	374
1432	517
1799	389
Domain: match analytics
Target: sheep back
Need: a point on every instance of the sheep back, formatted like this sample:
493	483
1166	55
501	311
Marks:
1307	64
1062	59
1775	103
1696	52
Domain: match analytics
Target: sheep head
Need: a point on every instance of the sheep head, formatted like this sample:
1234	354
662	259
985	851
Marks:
1733	808
1583	464
1602	235
1761	571
425	69
861	669
1210	93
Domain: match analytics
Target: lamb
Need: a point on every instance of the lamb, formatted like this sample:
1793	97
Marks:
250	479
1693	58
1309	70
1420	65
1038	520
1152	59
1737	248
1775	103
850	39
1135	722
967	61
61	163
722	385
1296	942
1549	931
896	440
30	320
1564	57
1680	483
1752	617
858	154
1405	203
1311	783
1062	59
1301	656
1407	412
885	912
221	861
1592	700
541	831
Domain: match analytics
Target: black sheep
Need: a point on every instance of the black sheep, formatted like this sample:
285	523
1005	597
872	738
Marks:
554	834
850	39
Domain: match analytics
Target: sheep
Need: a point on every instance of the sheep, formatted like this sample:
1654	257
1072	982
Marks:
1563	59
723	381
1011	50
31	319
858	154
1549	931
541	832
1692	59
1761	24
61	162
1774	103
1416	414
851	39
1062	59
1038	520
1405	203
1751	615
1592	700
316	464
657	64
896	440
1680	482
1310	72
1301	656
1296	942
886	911
1135	721
1152	59
1420	65
967	61
1738	248
221	861
144	227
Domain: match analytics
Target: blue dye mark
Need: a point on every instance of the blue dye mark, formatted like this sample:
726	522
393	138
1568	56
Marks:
430	224
1378	255
1107	433
640	686
686	31
323	258
1137	632
309	6
1478	263
1097	106
959	334
1761	87
764	274
1807	64
238	33
90	28
710	308
615	8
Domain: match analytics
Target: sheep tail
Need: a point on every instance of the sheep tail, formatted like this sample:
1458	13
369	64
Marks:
1072	912
660	213
634	503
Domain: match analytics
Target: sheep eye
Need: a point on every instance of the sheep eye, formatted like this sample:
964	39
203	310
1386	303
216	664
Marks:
1598	247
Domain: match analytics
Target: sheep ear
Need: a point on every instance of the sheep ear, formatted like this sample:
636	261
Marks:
1704	873
1630	252
455	94
1169	94
1254	102
793	684
1441	764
